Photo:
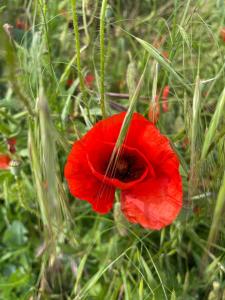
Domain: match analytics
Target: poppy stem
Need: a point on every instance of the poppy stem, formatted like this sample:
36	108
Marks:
78	60
102	58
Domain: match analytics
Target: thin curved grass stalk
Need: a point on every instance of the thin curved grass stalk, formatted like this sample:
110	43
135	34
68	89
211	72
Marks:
118	148
155	80
130	111
37	174
68	67
185	13
220	135
43	8
194	160
45	167
201	244
66	72
93	16
68	103
131	78
153	102
148	280
80	271
85	22
51	196
178	29
78	51
97	276
102	58
210	134
153	264
49	157
217	218
166	65
11	61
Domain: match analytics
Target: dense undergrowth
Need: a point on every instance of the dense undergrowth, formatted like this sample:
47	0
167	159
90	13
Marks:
55	247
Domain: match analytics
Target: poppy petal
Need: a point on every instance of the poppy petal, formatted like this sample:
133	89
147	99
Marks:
154	203
83	184
4	161
153	145
99	161
106	130
142	135
153	196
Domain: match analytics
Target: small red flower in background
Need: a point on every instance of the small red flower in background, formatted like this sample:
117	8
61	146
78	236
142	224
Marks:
165	95
4	161
146	172
11	143
69	82
89	80
154	110
20	24
222	33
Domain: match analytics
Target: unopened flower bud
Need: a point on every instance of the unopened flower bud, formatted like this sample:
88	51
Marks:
14	166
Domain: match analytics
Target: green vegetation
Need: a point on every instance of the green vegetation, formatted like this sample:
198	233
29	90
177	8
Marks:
64	65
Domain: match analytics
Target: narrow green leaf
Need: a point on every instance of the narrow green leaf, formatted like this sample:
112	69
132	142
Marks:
165	63
210	135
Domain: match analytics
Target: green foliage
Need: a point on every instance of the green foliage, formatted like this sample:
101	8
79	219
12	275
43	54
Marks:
15	235
53	246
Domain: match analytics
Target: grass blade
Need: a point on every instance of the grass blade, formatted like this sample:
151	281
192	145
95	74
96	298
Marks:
166	65
209	137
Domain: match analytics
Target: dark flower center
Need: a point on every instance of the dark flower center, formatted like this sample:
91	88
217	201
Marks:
122	167
127	167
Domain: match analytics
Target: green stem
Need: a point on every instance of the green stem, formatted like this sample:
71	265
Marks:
43	8
77	46
11	60
102	58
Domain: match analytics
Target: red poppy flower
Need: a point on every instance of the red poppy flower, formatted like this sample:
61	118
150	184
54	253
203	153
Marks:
4	161
89	80
154	110
222	33
11	143
146	171
20	24
69	82
165	95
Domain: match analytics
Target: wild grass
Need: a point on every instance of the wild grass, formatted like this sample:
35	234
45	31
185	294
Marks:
52	245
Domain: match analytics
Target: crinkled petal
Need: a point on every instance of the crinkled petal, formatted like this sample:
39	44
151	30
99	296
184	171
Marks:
99	156
154	203
83	184
142	135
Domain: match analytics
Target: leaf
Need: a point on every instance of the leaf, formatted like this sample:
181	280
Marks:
21	37
15	235
173	295
209	137
166	65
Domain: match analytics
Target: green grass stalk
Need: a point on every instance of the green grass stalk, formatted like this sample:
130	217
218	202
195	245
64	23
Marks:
78	59
102	58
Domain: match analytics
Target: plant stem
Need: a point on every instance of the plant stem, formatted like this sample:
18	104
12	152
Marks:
77	47
43	8
102	58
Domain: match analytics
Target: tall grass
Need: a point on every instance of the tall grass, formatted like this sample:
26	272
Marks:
53	246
